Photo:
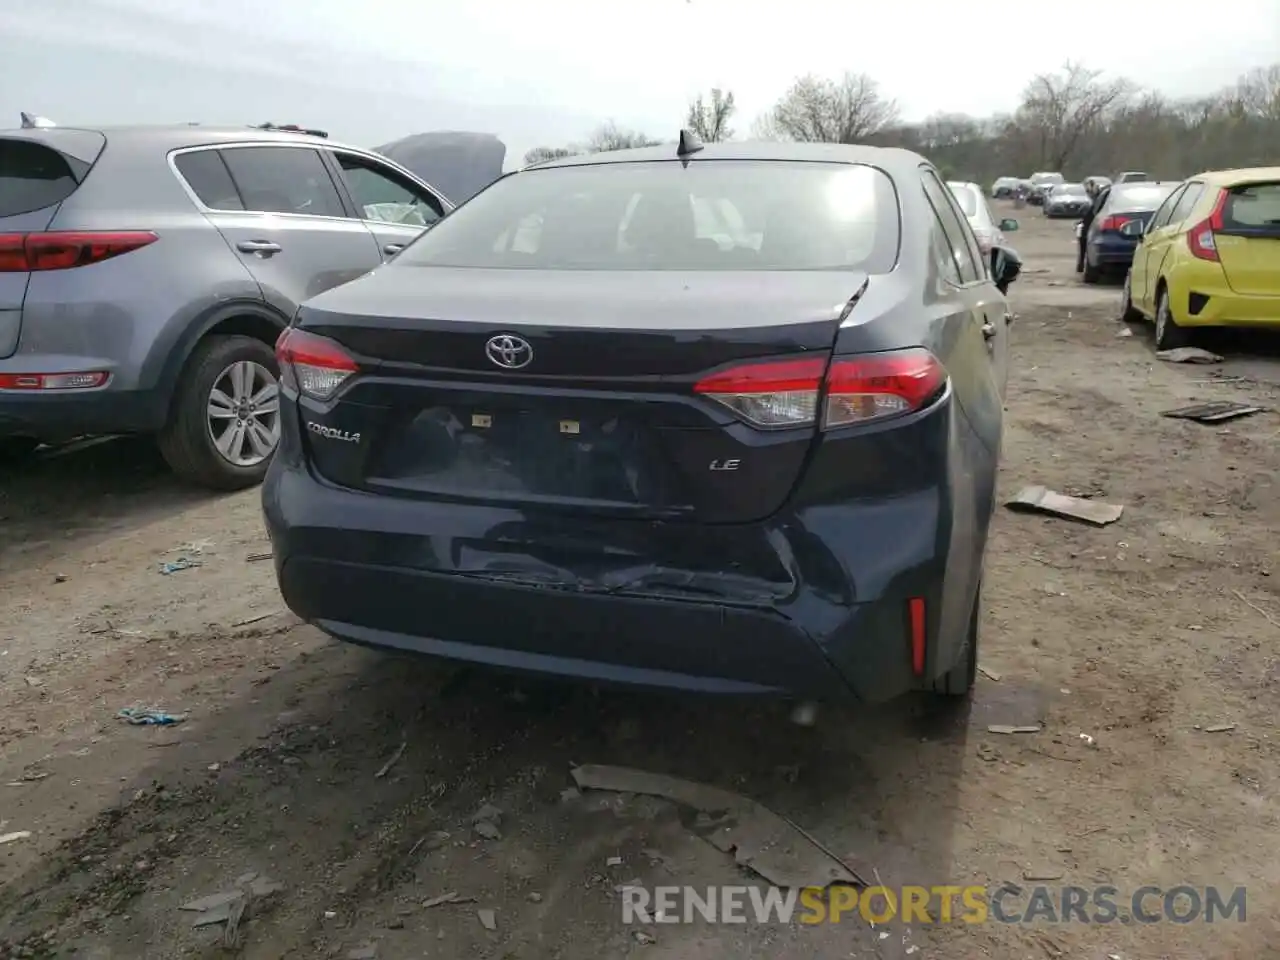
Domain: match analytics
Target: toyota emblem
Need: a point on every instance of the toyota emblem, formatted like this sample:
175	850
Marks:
508	352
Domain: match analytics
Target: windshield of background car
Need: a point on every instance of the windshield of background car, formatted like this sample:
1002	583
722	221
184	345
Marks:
1138	197
966	197
1070	190
664	215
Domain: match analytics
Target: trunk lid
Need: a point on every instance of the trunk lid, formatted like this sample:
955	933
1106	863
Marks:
600	414
1248	241
39	168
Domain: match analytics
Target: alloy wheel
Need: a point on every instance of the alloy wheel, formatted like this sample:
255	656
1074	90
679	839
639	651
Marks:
244	413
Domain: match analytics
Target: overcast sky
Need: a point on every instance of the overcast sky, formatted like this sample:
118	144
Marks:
549	71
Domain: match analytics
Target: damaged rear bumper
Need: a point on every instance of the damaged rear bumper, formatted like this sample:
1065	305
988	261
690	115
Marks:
420	577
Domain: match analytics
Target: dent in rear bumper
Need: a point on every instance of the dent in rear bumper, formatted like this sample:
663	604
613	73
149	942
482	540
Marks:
380	582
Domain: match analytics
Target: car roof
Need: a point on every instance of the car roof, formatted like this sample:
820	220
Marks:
892	160
1240	175
174	135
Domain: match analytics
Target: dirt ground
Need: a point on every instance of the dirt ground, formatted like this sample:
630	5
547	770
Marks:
1146	635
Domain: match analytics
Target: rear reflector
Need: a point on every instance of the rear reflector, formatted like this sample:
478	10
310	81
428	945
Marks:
916	618
860	389
61	250
85	380
313	365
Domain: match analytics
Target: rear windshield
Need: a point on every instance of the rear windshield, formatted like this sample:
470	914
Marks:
1253	205
1070	190
710	215
32	177
966	197
1039	178
1139	196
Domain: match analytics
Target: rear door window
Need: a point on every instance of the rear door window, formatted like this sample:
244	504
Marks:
960	237
1164	213
1255	206
209	179
1186	203
284	180
32	177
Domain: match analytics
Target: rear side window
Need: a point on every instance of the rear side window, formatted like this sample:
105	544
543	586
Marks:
959	236
32	177
207	176
966	197
707	216
283	180
1254	205
1186	203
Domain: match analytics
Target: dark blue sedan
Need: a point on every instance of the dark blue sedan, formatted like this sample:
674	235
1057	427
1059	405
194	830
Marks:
1106	249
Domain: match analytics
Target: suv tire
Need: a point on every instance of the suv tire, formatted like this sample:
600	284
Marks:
186	441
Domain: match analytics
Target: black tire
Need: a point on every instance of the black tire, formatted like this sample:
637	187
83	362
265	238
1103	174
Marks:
1079	258
14	450
185	441
1169	336
958	682
1090	273
1128	312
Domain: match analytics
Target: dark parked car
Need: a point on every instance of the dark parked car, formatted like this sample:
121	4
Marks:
721	418
1042	183
1066	200
1107	249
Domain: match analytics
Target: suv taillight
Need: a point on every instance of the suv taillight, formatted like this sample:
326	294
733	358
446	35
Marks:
1200	237
63	249
850	390
313	365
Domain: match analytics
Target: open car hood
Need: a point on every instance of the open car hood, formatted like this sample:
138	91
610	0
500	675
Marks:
457	163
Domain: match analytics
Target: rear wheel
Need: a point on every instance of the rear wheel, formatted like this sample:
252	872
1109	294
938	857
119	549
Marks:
1091	274
959	680
1128	313
225	422
1169	336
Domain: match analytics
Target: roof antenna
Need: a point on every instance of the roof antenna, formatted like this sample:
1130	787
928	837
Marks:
689	143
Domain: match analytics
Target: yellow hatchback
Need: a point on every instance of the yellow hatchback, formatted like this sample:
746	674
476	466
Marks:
1209	256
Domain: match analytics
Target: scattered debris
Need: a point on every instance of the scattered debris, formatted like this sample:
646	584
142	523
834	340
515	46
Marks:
989	673
771	845
1005	728
487	830
1257	609
149	717
368	951
450	897
1088	740
535	897
487	812
988	752
60	578
644	939
382	772
1220	728
255	557
33	681
16	835
488	919
1037	499
1042	874
258	619
1216	411
613	862
1188	355
569	794
1124	332
182	563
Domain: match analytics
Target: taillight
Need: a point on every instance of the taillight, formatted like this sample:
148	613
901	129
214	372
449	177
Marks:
1113	222
313	365
61	250
1200	237
851	390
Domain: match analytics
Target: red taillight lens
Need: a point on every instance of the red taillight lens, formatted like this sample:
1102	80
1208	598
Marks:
1113	223
1200	239
313	365
61	250
788	393
878	385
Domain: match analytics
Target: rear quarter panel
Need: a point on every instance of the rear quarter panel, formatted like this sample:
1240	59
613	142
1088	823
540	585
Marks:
131	311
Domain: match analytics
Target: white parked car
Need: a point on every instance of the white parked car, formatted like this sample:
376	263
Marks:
988	230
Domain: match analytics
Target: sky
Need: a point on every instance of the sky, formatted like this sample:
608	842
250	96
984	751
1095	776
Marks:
548	72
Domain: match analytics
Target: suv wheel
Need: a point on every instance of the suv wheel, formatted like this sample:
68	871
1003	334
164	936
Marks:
959	680
225	422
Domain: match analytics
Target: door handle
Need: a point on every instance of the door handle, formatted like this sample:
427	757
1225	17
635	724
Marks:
988	330
391	249
1008	317
263	248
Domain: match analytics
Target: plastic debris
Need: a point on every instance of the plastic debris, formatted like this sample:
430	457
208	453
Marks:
17	835
1188	355
1006	728
149	717
173	566
1216	411
1036	499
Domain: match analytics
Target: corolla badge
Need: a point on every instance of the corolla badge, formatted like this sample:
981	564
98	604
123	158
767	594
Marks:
332	433
509	352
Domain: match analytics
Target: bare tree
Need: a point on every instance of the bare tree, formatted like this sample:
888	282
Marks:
710	120
1062	107
542	154
1259	92
820	110
610	136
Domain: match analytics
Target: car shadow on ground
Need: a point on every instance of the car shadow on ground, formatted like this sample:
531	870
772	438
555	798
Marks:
86	491
299	793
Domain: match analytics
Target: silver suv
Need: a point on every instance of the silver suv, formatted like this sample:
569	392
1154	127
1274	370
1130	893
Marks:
146	272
